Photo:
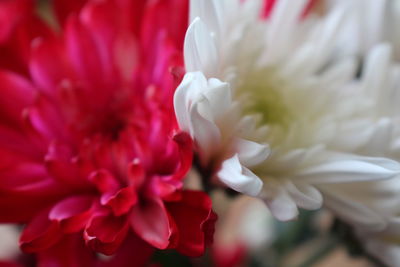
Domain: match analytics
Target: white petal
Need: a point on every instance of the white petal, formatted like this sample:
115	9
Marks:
205	133
340	73
353	211
376	69
200	51
252	153
342	168
208	11
219	96
284	18
380	138
239	178
305	196
181	104
276	197
387	252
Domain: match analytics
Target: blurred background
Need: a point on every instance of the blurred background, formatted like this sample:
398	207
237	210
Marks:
246	235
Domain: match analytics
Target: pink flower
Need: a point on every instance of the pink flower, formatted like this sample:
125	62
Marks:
88	140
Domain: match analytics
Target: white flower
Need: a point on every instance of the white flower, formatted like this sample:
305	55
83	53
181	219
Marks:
243	221
274	87
370	22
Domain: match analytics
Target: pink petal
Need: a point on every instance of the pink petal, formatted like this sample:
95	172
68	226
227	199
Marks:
149	220
106	233
136	174
40	234
72	213
120	202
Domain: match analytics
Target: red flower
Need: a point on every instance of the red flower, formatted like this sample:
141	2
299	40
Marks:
89	142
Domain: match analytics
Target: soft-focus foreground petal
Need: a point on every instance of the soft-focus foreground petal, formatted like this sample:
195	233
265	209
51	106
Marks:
196	236
105	233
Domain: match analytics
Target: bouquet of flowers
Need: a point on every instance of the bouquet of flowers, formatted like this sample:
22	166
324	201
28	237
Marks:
199	132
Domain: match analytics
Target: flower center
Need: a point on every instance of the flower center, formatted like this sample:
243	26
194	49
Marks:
262	94
106	119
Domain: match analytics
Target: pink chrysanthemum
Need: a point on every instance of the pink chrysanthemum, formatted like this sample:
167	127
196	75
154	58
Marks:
88	140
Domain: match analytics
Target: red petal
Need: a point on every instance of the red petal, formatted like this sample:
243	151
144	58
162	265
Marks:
104	181
171	16
10	264
120	202
44	121
13	203
134	252
72	213
136	173
88	66
50	74
184	142
11	13
40	234
114	38
195	221
227	257
149	220
69	252
268	7
166	189
17	93
60	165
21	28
106	233
63	8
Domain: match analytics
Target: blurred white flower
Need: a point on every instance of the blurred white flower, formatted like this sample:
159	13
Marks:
244	222
9	248
245	227
275	114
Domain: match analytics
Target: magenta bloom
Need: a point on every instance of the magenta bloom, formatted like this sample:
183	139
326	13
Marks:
88	140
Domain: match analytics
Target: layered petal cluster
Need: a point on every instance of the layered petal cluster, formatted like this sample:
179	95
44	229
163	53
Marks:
275	113
89	143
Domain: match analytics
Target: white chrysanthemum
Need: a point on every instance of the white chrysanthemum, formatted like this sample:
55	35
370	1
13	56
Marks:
369	23
274	87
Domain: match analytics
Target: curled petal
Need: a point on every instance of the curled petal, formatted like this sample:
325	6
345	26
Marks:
106	233
251	153
120	202
72	213
185	154
239	178
305	196
150	221
195	221
281	204
40	234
